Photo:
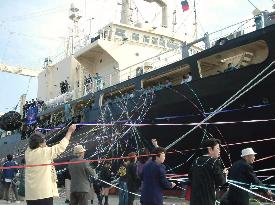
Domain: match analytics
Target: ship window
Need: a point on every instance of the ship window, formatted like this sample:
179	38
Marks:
135	36
237	58
118	95
146	39
120	32
174	76
154	41
171	44
162	42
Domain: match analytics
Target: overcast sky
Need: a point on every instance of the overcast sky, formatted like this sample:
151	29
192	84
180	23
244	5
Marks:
34	29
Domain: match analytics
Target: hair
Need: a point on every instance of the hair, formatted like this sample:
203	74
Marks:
79	154
132	155
9	157
35	140
212	142
107	163
157	151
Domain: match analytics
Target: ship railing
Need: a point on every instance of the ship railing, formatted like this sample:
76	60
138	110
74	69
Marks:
170	56
61	99
148	65
151	64
233	31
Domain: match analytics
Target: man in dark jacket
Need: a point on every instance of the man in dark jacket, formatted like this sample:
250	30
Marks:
242	172
154	180
9	176
132	178
206	174
80	184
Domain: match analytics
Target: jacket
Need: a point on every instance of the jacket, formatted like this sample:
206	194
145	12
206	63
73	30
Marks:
133	181
205	175
154	182
242	172
80	176
40	181
9	173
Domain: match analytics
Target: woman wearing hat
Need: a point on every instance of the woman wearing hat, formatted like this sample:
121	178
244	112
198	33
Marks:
242	171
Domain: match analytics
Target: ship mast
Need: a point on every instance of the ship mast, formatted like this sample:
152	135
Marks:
174	20
195	23
126	12
74	16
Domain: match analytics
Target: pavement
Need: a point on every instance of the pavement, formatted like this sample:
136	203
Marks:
113	200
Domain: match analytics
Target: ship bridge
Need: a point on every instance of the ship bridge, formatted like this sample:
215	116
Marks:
118	47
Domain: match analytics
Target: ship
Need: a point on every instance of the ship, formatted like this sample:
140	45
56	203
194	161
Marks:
122	98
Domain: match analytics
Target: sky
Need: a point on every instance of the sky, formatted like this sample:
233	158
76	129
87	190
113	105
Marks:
32	31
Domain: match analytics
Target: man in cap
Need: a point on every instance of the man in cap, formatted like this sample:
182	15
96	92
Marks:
80	184
242	174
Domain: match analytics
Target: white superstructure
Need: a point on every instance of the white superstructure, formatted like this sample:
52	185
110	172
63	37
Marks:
120	52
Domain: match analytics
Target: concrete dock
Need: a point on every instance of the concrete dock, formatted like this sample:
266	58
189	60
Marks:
113	200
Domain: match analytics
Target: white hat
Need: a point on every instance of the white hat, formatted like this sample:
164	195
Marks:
79	149
247	151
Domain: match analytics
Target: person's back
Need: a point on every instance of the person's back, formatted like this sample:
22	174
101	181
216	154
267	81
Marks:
9	178
80	176
8	174
132	178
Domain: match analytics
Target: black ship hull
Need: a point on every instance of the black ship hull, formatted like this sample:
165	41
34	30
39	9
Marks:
247	122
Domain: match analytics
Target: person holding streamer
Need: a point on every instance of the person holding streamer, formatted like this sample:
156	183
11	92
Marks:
40	181
243	175
206	174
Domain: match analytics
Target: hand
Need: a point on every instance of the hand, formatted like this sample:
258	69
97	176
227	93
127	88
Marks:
72	128
154	142
225	171
173	184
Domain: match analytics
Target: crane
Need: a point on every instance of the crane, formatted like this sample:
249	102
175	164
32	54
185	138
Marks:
20	70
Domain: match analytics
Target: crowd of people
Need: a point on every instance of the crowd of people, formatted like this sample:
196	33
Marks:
144	176
32	104
64	87
93	83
